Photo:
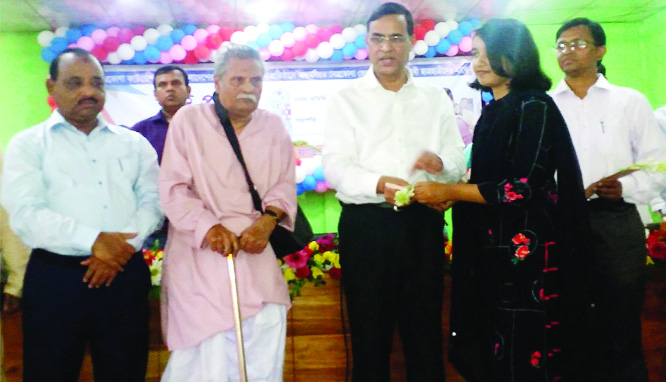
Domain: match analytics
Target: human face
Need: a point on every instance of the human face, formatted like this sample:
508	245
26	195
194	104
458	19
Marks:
484	72
579	61
171	91
389	45
239	88
79	90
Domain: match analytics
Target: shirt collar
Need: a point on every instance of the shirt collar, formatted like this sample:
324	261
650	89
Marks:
369	81
602	83
57	120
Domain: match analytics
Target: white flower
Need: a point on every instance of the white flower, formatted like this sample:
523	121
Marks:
156	272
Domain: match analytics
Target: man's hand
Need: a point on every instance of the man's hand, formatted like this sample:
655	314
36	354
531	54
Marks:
221	240
389	192
113	249
431	193
254	238
11	304
609	189
441	207
99	272
429	162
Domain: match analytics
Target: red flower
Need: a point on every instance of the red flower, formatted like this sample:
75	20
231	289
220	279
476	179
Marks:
297	260
520	239
335	273
534	361
522	251
658	251
306	252
302	272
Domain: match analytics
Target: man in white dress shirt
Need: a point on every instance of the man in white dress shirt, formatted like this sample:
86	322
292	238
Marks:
612	127
82	193
384	131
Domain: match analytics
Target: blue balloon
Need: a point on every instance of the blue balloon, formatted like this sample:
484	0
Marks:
443	46
189	28
263	40
349	50
318	174
87	29
288	27
360	41
338	55
58	44
431	52
299	188
275	31
163	43
177	35
309	183
466	28
487	96
475	23
48	54
72	35
455	36
151	53
126	62
140	57
253	45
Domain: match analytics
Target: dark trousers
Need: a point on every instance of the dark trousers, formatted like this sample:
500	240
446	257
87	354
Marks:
619	240
61	315
393	273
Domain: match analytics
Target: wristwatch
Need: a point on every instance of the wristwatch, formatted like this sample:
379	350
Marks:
272	214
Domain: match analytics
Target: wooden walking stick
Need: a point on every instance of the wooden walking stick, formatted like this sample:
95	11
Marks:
237	317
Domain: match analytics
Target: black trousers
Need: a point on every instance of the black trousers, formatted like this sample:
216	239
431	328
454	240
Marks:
619	240
61	315
393	273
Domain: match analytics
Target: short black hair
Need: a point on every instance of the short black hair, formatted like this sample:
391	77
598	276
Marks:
169	69
54	69
393	9
597	32
512	54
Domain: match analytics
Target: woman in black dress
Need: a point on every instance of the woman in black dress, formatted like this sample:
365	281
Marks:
520	257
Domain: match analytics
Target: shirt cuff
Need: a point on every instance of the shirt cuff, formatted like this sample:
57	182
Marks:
84	237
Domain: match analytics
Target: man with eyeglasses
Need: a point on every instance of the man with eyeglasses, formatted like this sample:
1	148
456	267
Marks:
384	131
612	127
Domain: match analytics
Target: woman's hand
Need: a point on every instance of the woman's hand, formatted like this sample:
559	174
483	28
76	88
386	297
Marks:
431	193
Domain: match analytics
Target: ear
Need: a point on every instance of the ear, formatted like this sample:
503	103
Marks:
601	52
49	85
189	89
155	93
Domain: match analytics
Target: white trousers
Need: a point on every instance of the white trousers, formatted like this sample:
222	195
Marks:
216	358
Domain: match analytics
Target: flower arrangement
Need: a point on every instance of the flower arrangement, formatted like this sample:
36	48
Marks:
656	243
153	257
311	263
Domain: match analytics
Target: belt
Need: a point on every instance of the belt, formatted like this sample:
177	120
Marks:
57	259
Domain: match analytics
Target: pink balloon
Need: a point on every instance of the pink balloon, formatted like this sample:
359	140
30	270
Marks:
113	31
452	51
321	186
213	29
276	48
125	35
189	43
165	58
177	52
98	36
465	44
138	31
86	43
265	54
200	35
336	29
361	54
311	28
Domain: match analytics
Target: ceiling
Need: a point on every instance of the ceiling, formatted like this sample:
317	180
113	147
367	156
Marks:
38	15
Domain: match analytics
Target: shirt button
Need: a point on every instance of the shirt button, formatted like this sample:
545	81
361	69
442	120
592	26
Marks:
94	160
99	183
105	207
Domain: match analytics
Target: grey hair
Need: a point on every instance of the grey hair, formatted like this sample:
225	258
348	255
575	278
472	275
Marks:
242	52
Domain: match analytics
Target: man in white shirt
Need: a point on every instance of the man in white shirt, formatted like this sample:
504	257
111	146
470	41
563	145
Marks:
384	131
612	127
83	195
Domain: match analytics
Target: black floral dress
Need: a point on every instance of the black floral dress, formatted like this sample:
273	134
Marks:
519	261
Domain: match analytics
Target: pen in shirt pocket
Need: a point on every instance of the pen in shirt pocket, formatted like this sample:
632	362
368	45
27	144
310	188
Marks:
603	129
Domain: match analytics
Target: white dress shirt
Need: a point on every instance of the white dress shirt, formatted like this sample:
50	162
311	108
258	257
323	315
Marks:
371	132
62	187
613	127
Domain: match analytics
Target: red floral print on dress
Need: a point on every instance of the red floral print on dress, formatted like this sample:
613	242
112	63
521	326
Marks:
535	360
522	244
515	190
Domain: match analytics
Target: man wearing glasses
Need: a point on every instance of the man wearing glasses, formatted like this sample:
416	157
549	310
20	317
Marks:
612	127
384	131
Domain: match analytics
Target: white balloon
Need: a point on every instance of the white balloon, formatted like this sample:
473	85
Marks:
239	38
251	32
276	48
125	52
288	39
316	160
349	34
311	56
300	33
308	165
151	35
453	25
138	43
412	55
325	50
337	41
113	58
360	28
44	38
431	38
61	32
265	54
442	28
263	28
300	174
164	29
420	48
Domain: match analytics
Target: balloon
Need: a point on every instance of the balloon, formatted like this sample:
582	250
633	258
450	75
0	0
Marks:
253	45
140	58
140	30
412	55
309	183
177	35
165	57
151	35
349	34
311	40
324	34
300	174
153	53
44	38
139	43
475	23
87	30
465	28
111	43
188	43
263	28
453	25
125	52
99	52
361	54
48	54
125	35
275	32
443	46
202	52
361	29
213	29
336	29
300	33
214	41
452	51
86	43
487	96
431	52
51	102
113	31
190	58
442	29
58	44
360	41
163	43
239	38
61	31
428	24
113	58
226	32
337	55
318	173
287	27
321	187
455	36
337	41
73	35
276	48
420	48
200	35
287	55
419	32
311	28
311	56
265	54
288	40
325	50
98	36
299	189
251	32
299	48
164	29
431	38
263	39
349	50
189	28
177	52
465	45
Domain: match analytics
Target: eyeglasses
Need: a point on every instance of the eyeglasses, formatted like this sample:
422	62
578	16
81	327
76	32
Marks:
393	39
563	46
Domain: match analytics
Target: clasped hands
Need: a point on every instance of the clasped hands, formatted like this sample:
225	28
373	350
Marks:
110	253
253	239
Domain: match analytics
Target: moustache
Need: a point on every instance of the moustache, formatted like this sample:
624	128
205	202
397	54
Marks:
251	97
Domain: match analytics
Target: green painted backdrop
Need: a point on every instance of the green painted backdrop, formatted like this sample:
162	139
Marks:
634	59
